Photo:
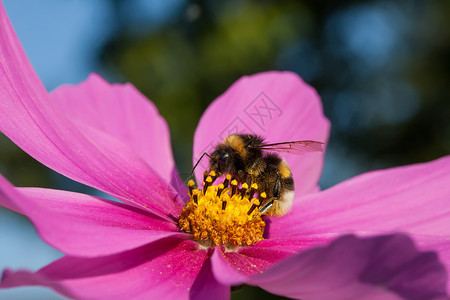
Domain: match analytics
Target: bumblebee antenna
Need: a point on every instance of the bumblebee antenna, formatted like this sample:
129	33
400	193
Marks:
198	161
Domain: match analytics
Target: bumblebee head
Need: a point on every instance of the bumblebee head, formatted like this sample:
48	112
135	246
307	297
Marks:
220	161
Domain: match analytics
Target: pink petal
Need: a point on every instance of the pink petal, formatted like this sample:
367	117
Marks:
386	267
234	268
413	199
8	196
292	110
166	269
78	151
83	225
124	113
206	285
289	244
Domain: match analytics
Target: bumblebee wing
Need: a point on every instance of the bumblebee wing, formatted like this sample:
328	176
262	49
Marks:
296	147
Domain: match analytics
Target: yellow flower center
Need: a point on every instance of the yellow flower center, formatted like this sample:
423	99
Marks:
223	214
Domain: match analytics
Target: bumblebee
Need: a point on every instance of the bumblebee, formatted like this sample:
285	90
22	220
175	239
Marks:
249	159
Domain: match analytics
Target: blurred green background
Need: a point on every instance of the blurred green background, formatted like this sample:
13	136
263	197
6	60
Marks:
382	69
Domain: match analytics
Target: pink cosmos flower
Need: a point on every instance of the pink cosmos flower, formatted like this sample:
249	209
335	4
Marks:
110	137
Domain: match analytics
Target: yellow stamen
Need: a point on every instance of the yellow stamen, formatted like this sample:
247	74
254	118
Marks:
244	189
227	180
234	184
191	185
220	188
217	216
253	189
207	183
194	196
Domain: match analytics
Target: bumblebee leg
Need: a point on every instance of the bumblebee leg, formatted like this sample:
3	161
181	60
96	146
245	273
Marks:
276	194
242	176
268	205
277	187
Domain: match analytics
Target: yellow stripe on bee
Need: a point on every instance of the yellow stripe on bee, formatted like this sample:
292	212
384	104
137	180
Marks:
236	142
284	169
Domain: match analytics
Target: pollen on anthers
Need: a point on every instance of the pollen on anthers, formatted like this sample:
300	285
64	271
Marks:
224	214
